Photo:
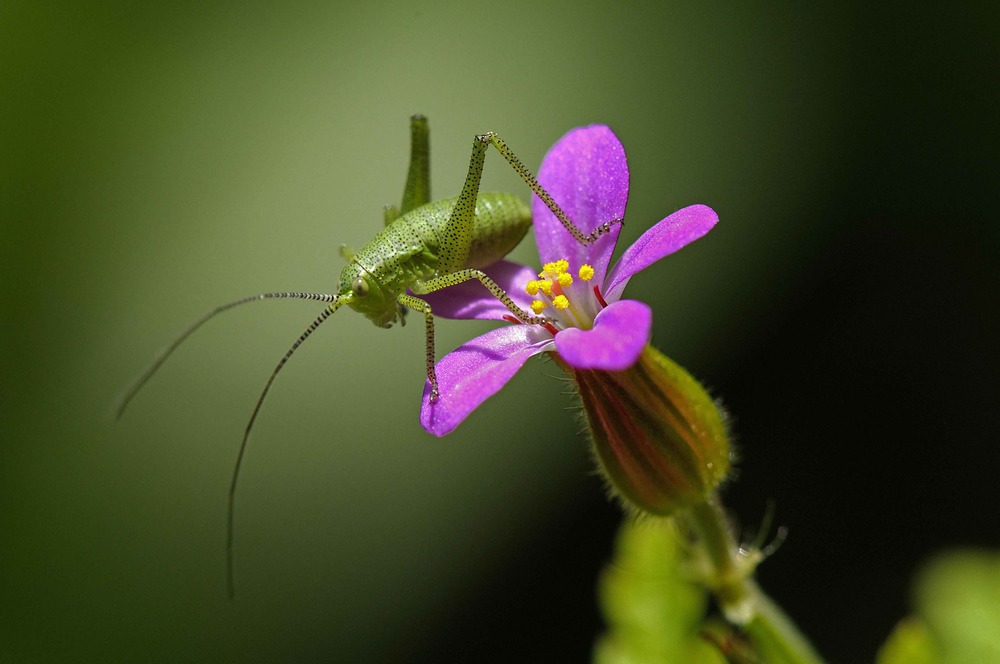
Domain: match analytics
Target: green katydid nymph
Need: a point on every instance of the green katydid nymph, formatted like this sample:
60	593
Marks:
425	246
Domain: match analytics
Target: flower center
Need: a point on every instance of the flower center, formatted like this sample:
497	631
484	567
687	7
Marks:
565	300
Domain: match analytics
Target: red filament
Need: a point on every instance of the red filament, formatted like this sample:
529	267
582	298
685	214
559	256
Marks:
600	298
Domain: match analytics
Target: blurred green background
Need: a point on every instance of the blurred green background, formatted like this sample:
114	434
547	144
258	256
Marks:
160	158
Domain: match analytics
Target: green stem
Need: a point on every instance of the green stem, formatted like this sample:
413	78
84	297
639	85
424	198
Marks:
730	578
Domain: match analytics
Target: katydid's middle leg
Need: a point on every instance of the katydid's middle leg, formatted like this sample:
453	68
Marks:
461	276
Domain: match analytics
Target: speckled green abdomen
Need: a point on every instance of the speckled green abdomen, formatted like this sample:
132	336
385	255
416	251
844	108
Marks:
501	223
408	249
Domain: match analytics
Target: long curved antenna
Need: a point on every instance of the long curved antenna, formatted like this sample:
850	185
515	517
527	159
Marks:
162	357
329	311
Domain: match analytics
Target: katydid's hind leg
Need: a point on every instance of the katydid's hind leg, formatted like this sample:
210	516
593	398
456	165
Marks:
460	276
491	138
458	231
453	253
418	180
417	304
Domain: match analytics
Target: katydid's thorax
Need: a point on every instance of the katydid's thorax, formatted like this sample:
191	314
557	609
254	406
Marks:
407	251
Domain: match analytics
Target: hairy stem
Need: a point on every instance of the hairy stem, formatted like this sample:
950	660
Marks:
728	571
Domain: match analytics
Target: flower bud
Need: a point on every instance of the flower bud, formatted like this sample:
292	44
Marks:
660	438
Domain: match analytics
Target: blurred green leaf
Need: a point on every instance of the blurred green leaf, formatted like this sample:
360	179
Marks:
654	613
909	643
958	596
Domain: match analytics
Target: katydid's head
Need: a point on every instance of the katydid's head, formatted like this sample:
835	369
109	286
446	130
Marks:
363	293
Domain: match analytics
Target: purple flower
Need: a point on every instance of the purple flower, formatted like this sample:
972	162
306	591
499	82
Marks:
593	328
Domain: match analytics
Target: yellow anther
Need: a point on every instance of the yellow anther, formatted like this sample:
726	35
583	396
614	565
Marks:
546	287
586	272
555	268
537	306
531	288
560	302
565	279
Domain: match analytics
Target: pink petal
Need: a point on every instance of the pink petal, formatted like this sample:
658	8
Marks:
672	233
471	299
475	371
619	334
587	174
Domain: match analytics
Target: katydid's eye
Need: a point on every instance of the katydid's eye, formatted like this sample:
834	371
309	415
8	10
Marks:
359	287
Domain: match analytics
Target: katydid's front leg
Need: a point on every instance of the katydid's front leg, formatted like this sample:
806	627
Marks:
437	283
417	304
